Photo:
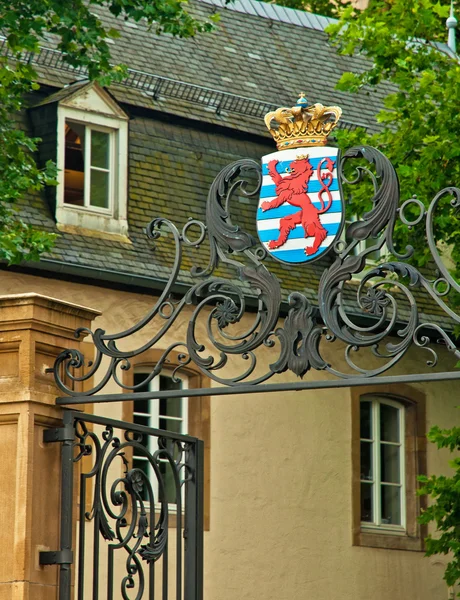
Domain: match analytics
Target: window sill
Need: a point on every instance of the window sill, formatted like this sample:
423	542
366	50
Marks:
391	540
67	216
383	529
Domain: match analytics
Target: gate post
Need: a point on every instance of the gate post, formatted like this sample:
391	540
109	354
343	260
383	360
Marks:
193	567
34	329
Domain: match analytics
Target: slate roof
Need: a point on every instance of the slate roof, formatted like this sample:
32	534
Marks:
254	57
261	55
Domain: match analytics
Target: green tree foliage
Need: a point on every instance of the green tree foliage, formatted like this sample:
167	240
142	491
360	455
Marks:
404	42
444	511
83	40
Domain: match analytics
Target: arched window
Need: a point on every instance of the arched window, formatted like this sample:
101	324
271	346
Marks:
388	452
185	415
169	414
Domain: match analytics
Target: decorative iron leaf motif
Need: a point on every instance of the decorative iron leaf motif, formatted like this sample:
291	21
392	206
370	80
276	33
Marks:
142	527
152	551
269	297
329	290
228	236
224	236
401	269
300	338
386	198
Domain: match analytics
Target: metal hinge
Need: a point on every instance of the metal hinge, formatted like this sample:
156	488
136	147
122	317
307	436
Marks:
59	434
57	557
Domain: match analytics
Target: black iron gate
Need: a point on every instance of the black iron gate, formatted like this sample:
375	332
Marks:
139	529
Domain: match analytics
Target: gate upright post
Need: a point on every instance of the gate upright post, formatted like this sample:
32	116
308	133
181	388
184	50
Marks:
65	579
194	523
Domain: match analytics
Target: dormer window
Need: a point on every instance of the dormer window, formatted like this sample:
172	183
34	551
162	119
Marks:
85	130
89	166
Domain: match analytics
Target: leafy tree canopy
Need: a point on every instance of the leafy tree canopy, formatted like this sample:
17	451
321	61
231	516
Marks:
405	44
82	38
444	510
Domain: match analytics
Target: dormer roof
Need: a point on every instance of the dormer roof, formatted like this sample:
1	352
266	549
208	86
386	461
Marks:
88	96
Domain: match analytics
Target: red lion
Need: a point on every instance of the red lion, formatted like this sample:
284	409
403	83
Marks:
293	189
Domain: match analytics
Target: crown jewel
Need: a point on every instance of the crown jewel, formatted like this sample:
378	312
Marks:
302	126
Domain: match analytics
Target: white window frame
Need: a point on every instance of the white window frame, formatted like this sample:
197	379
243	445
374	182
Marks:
376	445
154	420
88	168
111	220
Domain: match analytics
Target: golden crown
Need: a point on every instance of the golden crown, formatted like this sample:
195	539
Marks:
302	125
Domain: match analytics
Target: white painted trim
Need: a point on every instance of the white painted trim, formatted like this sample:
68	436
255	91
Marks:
377	524
113	220
113	109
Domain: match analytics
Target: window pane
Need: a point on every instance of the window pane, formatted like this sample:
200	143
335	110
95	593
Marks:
389	463
99	189
389	423
139	378
168	383
367	509
391	505
74	164
100	149
138	420
141	406
366	420
169	425
138	452
168	482
171	407
366	460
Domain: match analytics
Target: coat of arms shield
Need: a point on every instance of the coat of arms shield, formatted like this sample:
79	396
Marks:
300	213
300	209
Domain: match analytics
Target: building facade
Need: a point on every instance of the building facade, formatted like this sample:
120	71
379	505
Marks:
308	494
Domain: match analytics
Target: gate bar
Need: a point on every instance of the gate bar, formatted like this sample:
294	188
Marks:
65	578
262	388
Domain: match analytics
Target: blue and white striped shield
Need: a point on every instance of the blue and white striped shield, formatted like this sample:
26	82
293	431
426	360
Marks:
300	213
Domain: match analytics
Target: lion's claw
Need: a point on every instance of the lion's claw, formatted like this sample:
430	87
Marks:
265	206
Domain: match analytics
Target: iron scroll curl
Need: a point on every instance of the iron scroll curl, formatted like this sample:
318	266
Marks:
224	335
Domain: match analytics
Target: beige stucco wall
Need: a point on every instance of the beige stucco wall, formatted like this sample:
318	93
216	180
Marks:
281	481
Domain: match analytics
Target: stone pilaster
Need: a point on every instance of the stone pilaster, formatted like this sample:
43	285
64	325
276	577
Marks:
34	329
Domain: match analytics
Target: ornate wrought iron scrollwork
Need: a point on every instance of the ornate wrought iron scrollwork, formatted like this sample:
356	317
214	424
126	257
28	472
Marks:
220	325
129	507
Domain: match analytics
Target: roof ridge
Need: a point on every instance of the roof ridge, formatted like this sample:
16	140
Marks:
275	12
